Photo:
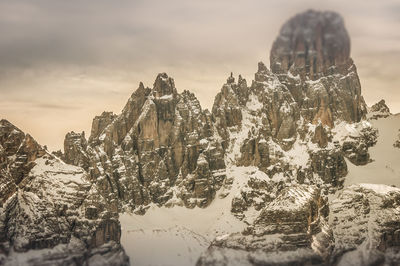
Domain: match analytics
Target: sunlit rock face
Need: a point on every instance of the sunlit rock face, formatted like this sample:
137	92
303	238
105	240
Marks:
162	140
50	213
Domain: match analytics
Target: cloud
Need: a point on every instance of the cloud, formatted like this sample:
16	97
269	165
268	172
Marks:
78	58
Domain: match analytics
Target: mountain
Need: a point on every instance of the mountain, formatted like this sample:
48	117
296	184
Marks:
291	168
50	212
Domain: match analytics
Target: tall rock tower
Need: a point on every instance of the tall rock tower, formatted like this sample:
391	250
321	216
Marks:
311	56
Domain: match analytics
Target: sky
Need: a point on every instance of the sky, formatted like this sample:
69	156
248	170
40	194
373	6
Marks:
64	62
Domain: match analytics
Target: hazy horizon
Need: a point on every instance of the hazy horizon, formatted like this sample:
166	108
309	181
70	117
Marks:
62	63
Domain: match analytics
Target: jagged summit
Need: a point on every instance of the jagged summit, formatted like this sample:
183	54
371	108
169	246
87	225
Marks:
161	148
164	86
311	56
50	213
379	110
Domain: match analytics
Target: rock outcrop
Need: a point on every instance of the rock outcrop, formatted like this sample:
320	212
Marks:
379	110
365	222
290	230
75	145
397	142
311	56
296	123
267	105
359	227
162	139
17	155
50	212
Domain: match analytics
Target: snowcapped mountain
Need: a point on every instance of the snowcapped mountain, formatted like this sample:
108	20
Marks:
50	212
290	169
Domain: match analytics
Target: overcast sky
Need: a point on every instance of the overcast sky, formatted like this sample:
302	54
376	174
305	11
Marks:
63	62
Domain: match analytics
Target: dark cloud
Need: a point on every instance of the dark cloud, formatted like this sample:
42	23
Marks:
55	106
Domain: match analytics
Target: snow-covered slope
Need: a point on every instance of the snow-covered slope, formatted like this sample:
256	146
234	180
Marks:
50	212
385	165
177	235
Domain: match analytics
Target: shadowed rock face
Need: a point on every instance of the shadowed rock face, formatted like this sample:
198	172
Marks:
17	155
75	145
50	209
310	44
379	110
311	56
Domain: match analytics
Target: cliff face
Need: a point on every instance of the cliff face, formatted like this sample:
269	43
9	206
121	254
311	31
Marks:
162	140
45	206
311	56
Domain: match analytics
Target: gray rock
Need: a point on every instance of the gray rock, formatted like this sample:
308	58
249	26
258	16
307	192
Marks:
311	56
365	223
43	206
283	234
379	110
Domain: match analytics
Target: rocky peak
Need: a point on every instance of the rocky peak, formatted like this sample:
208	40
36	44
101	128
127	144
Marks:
100	123
75	145
311	57
45	203
162	139
295	103
262	73
19	151
10	137
379	110
310	44
230	79
164	86
276	147
380	107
